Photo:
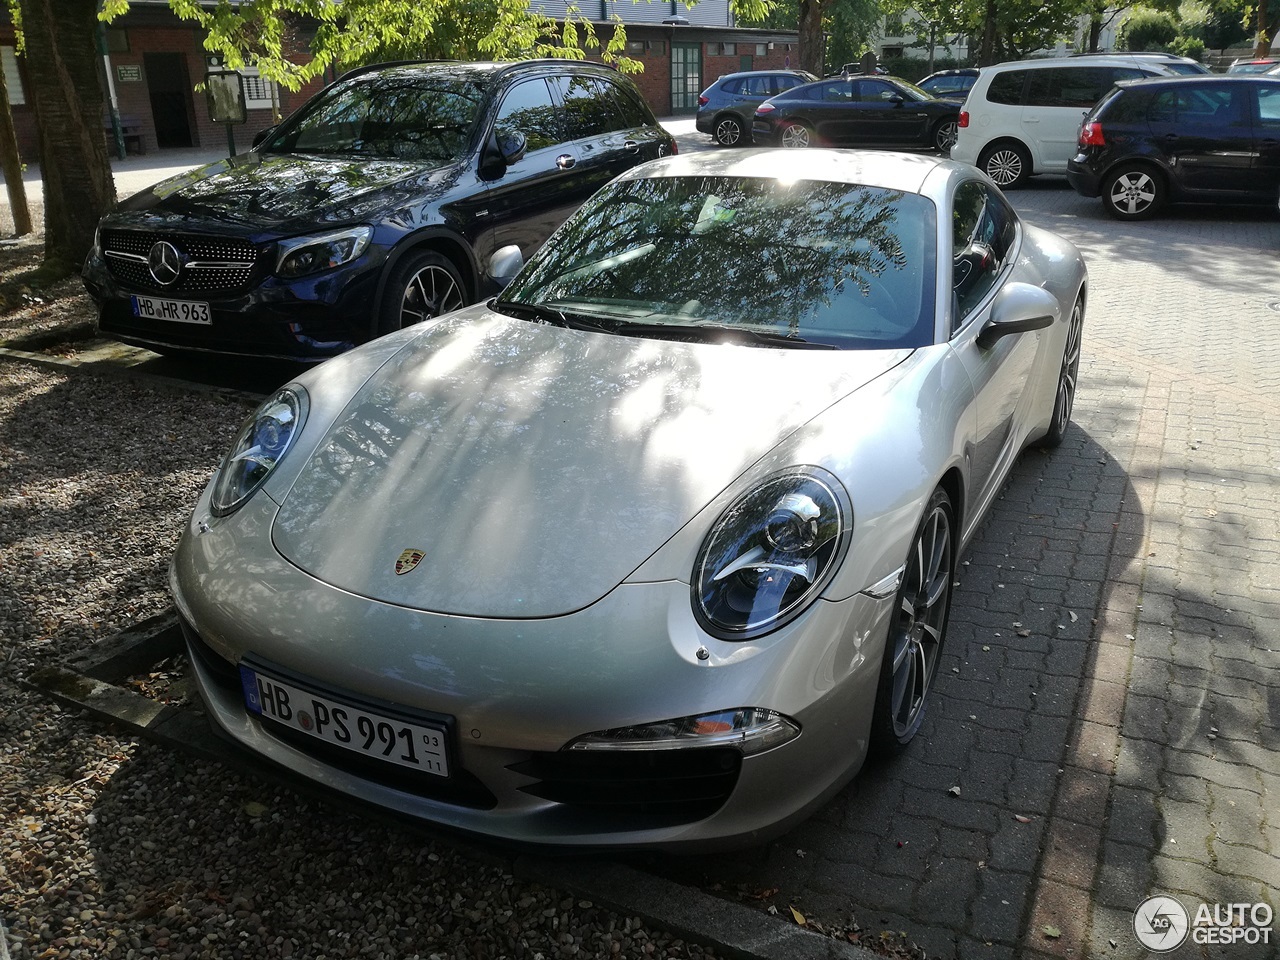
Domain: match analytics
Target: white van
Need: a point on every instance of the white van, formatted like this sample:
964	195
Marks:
1023	118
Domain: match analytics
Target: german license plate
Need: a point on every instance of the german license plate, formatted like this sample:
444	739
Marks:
414	744
178	311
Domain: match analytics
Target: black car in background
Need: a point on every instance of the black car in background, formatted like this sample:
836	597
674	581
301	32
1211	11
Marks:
726	108
397	193
1187	139
857	111
954	84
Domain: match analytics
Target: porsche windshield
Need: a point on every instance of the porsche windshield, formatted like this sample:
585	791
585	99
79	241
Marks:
387	116
816	262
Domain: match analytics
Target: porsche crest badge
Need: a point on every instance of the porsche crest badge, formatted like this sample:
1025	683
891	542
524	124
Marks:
408	560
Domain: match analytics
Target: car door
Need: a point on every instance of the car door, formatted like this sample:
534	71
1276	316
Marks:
1057	98
983	242
888	114
539	191
833	112
1265	97
1205	135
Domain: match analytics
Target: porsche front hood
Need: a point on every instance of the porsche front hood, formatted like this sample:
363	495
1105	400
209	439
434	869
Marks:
532	468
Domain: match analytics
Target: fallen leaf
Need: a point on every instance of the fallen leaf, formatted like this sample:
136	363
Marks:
762	894
1053	933
255	809
1024	633
799	917
954	791
1021	819
1072	615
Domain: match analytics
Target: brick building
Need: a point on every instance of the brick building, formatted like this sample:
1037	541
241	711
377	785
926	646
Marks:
154	61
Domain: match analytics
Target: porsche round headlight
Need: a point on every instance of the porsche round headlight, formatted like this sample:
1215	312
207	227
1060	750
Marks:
263	440
770	553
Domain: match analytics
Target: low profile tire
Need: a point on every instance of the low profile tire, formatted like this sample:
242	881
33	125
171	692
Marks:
795	136
1134	193
913	649
944	136
1008	164
729	132
1068	378
423	285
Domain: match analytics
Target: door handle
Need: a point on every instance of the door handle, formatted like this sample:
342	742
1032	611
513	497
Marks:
1030	119
630	146
564	161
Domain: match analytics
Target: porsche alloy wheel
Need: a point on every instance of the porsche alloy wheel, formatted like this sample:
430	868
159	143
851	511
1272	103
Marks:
1067	378
728	131
1133	193
795	136
944	136
919	626
424	285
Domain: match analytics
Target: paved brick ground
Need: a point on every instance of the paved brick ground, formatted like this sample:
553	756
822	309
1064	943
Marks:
1112	675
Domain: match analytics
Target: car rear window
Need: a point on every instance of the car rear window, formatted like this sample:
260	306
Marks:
1007	87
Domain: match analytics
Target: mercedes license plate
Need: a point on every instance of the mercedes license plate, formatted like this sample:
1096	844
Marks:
179	311
407	743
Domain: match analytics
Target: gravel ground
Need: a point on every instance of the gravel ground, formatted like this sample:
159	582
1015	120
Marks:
115	848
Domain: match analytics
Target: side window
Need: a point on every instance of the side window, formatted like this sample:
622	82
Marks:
629	105
983	229
875	91
839	92
759	87
1068	86
588	110
528	108
1007	87
785	83
732	87
1269	105
1164	107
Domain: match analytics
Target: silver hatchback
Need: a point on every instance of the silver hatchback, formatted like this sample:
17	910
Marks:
726	108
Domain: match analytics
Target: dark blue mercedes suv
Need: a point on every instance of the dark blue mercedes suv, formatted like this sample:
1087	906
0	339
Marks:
400	192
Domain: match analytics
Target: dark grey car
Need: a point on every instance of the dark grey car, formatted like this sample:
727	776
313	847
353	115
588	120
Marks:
726	108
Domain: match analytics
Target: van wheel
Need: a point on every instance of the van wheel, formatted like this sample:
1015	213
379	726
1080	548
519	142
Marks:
1008	164
1133	193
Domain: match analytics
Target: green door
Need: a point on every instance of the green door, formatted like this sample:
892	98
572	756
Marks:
686	77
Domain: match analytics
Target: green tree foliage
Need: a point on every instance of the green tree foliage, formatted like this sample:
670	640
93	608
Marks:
1006	29
848	24
1147	29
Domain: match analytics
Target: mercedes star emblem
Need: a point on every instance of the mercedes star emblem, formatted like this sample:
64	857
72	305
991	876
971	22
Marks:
164	262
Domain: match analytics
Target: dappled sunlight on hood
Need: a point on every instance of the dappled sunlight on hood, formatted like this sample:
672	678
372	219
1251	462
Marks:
534	466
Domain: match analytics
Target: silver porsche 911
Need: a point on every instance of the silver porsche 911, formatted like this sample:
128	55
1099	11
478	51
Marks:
656	546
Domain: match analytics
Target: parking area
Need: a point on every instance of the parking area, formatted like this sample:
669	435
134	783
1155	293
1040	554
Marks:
1104	727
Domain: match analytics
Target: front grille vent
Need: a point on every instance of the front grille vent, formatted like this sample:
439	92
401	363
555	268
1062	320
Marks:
211	264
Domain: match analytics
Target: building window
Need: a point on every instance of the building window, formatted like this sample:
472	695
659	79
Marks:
12	79
657	48
762	49
728	49
257	91
635	46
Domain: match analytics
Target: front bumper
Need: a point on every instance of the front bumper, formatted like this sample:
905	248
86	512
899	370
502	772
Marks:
311	318
517	691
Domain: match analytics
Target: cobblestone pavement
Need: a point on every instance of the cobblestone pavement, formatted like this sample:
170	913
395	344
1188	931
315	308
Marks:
1109	694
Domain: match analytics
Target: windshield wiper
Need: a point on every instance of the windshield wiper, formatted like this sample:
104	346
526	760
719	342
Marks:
552	315
705	332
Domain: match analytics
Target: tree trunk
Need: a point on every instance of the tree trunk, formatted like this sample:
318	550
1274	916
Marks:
11	164
66	91
1095	32
810	40
987	52
1262	42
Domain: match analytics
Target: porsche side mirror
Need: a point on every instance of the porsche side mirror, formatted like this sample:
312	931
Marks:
1019	307
505	264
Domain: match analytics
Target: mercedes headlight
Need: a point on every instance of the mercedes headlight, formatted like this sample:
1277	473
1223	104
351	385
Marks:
261	444
303	255
770	553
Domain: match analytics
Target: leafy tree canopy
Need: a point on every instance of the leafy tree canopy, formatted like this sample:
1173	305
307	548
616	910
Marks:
352	32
